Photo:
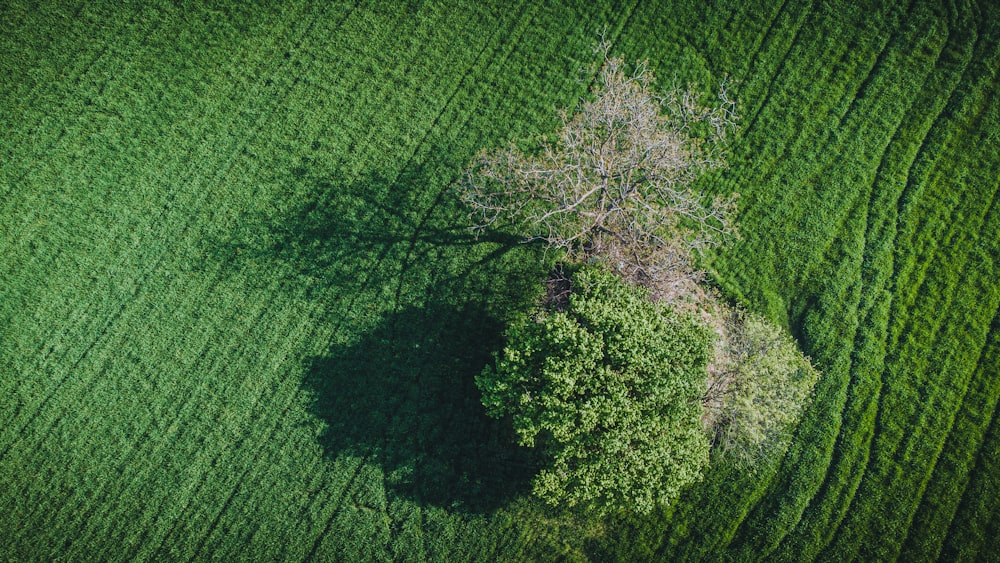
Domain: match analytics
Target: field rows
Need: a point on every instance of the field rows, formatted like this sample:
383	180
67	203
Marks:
851	453
240	314
974	522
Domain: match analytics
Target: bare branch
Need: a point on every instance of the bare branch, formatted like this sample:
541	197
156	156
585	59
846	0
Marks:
617	180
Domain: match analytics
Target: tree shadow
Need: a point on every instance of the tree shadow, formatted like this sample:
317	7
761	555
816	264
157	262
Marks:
403	393
405	396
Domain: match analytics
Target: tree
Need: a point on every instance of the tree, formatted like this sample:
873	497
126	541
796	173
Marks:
759	387
616	181
609	390
622	385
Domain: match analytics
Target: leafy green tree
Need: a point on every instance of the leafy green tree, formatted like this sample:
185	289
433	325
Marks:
609	388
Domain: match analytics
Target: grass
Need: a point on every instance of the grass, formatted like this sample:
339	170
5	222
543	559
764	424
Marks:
240	316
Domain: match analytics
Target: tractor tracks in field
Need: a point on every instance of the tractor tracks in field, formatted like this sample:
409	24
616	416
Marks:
286	389
841	479
115	317
765	101
350	306
345	491
918	176
76	121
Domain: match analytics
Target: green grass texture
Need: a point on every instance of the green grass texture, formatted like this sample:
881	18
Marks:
241	312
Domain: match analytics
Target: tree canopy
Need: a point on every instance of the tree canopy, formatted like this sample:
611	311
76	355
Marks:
609	389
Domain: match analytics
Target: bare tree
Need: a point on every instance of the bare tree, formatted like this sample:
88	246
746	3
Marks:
616	181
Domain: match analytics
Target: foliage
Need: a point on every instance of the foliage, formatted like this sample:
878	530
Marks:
609	390
762	385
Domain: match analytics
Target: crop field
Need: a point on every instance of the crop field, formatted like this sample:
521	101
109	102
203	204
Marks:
240	312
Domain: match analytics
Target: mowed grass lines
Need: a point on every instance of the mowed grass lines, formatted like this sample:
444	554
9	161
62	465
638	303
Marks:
241	314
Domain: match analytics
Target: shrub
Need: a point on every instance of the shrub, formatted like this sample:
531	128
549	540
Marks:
759	388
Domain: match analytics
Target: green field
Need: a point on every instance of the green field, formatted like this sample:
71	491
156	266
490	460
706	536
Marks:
240	314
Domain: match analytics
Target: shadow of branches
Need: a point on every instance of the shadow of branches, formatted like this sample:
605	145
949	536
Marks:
374	230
